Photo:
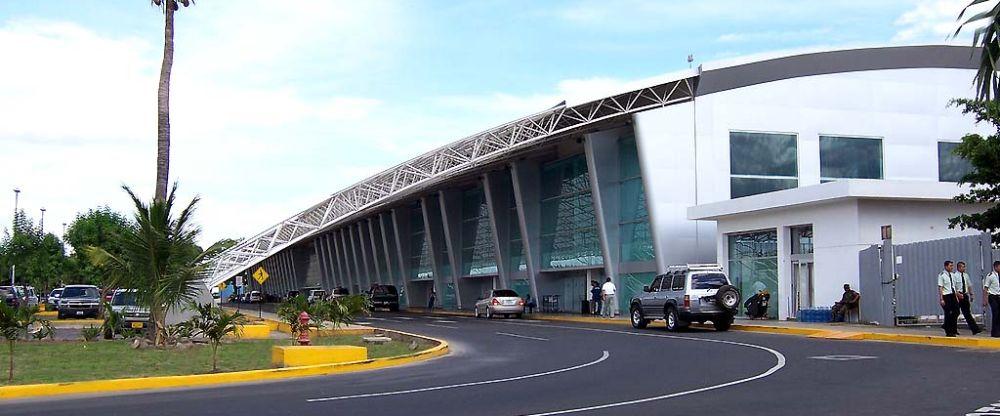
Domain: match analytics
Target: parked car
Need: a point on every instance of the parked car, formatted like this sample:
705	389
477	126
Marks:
17	296
7	296
79	301
216	296
504	302
123	301
291	294
385	296
687	293
53	298
339	292
316	295
254	297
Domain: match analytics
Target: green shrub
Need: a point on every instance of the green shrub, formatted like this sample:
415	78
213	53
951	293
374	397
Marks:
90	333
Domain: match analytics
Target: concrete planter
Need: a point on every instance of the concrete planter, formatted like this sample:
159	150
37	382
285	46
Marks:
293	356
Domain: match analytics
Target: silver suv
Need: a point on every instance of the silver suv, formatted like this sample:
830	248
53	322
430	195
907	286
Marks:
687	293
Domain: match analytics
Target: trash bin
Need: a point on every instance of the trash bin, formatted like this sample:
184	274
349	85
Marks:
585	307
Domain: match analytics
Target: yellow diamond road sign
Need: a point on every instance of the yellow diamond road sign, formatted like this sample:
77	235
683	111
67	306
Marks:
260	275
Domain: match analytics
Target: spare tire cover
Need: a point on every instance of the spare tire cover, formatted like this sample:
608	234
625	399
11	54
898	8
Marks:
728	297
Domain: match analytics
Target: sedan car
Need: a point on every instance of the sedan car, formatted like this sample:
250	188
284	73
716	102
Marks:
54	297
504	302
80	301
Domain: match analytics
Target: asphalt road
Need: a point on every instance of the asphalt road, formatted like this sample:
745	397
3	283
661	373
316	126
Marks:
510	367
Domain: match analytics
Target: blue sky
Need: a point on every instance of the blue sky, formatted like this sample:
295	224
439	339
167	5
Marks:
278	104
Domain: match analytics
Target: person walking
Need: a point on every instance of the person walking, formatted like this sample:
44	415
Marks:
965	298
948	299
430	300
610	302
595	298
991	297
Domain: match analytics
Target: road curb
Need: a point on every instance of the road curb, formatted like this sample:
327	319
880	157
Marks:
165	382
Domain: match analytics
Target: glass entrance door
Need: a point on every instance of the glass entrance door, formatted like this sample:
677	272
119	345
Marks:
802	272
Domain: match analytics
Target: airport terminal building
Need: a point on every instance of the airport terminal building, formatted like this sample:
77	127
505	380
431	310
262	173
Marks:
779	169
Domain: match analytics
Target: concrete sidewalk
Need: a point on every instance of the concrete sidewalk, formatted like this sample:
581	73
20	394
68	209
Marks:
927	335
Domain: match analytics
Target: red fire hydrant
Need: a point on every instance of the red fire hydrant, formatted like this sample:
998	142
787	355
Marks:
303	328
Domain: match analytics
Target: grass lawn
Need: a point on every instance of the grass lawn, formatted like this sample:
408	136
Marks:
60	361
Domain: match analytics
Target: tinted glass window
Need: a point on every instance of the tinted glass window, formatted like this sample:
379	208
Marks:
753	186
951	167
77	292
850	158
55	292
124	298
656	283
678	282
504	294
764	154
708	281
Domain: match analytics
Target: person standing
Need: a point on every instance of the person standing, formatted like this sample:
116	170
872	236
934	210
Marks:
430	300
965	298
991	297
948	299
595	297
608	291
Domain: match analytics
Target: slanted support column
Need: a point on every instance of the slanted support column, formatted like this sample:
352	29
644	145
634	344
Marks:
350	266
320	257
392	278
402	253
601	150
451	220
335	273
374	250
435	238
365	257
525	176
497	227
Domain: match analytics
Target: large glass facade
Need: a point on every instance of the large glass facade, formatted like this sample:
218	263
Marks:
634	231
420	248
951	167
478	256
849	158
569	227
753	266
762	162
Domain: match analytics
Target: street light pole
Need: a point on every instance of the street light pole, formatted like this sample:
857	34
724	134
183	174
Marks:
17	193
41	222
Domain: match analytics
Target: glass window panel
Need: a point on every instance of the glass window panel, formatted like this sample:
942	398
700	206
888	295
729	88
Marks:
951	167
634	230
478	257
767	154
753	266
752	186
850	157
569	227
420	259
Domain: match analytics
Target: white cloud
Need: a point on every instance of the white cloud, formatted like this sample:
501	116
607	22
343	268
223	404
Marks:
775	35
934	20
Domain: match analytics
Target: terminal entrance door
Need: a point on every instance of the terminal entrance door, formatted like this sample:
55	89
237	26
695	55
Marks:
802	282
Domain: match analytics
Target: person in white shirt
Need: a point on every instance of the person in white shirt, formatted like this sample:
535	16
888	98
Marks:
964	289
608	291
991	297
948	299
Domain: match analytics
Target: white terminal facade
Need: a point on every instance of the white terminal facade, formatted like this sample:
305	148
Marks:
779	169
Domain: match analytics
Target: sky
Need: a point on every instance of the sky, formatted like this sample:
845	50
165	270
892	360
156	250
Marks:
277	105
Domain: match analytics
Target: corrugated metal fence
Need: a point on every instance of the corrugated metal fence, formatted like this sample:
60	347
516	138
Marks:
916	266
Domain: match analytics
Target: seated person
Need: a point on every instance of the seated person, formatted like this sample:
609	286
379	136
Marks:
847	302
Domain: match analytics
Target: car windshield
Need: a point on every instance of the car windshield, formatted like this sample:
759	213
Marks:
318	293
708	281
123	299
80	292
504	294
55	292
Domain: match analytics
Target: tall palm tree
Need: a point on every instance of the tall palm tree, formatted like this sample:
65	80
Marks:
163	94
157	257
987	38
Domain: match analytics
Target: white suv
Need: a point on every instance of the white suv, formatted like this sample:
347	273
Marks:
687	293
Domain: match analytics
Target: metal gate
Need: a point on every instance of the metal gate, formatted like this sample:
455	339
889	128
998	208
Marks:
899	282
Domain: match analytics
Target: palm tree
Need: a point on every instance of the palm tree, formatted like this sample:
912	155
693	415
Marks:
157	257
214	323
988	40
163	94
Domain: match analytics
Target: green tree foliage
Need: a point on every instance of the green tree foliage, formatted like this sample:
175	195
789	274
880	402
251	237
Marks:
40	258
99	227
213	323
987	39
158	257
983	153
14	323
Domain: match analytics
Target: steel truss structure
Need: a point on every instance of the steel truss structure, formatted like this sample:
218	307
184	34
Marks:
438	165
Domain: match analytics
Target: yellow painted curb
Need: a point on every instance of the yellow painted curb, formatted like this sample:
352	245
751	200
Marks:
47	314
299	355
72	323
252	331
127	384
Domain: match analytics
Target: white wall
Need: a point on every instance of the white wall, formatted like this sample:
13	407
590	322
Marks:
911	221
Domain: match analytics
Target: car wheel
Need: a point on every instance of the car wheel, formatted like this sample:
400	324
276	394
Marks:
728	297
518	316
489	315
673	320
723	322
638	321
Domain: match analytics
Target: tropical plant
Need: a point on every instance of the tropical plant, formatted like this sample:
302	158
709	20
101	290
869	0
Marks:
163	95
987	39
983	154
214	323
343	310
43	329
290	309
159	258
13	323
113	322
90	333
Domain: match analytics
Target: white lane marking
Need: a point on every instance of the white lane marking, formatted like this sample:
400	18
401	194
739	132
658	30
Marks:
404	318
604	356
442	326
442	321
362	323
845	357
375	318
521	336
777	366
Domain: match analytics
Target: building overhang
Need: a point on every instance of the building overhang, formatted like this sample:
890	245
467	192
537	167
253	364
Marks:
830	192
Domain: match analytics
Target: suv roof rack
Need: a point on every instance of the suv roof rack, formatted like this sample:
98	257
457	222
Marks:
697	266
